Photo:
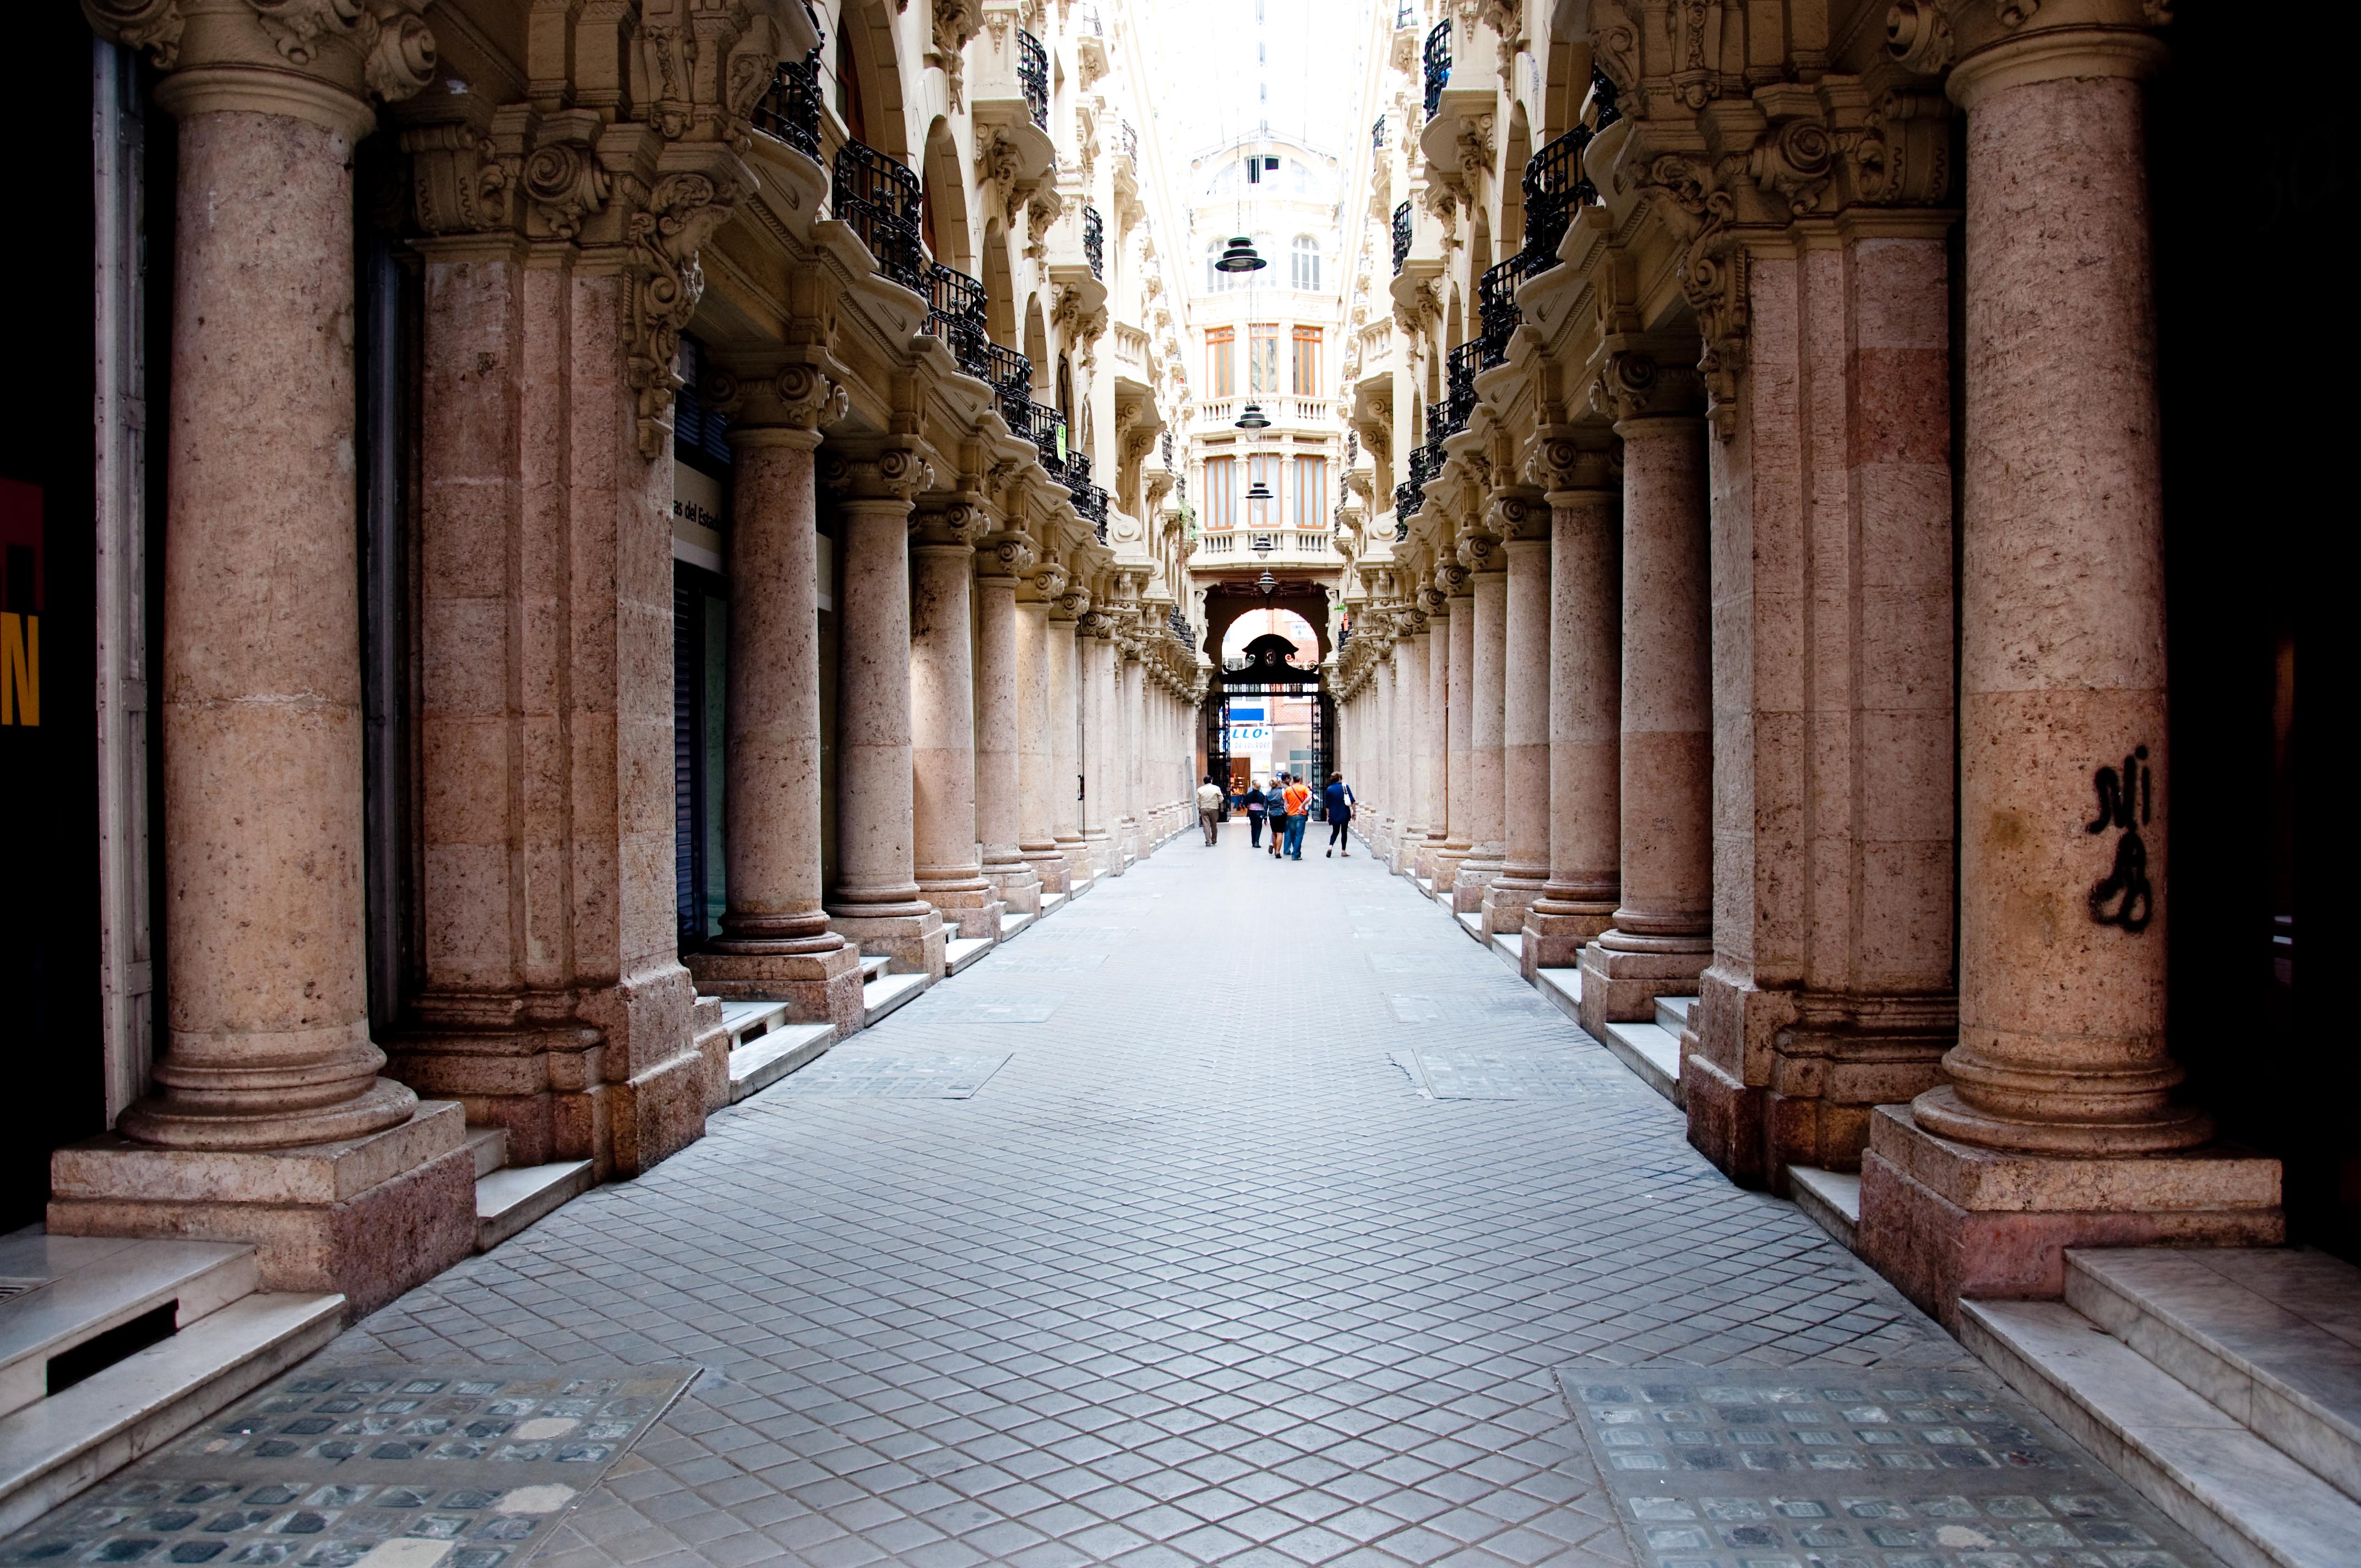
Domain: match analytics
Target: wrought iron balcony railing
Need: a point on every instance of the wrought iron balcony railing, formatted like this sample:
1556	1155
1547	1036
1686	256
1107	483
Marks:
1045	427
1011	375
1459	381
1401	236
1602	93
1033	76
1438	63
1090	500
1094	241
1130	142
880	199
1555	186
790	110
955	314
1496	300
1438	421
1378	133
1167	451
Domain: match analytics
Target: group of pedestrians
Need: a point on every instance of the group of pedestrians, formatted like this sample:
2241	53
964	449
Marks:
1285	807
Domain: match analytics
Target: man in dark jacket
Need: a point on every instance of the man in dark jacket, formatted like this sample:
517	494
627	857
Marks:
1338	798
1256	804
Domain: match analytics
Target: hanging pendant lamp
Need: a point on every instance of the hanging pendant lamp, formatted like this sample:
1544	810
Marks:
1239	257
1251	418
1258	491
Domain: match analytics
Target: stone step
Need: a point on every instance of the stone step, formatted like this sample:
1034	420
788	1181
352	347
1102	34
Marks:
1673	1014
52	1450
1012	924
762	1061
1650	1050
1510	945
2250	1504
873	965
1831	1198
1564	989
886	993
961	952
2269	1336
111	1295
508	1200
490	1148
1050	901
752	1020
1472	922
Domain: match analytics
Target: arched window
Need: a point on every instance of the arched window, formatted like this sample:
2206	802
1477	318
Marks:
1307	262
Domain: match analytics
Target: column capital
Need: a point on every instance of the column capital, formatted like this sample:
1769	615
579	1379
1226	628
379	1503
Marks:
949	519
887	473
1045	582
1632	384
321	61
1563	458
1993	45
1071	605
1452	581
1519	513
1006	554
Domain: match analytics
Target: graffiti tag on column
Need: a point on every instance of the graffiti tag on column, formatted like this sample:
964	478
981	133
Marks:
2124	897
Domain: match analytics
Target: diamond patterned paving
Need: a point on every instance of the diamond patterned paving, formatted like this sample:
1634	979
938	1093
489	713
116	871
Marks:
1198	1276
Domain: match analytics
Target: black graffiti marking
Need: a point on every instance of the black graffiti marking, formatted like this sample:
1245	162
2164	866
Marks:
2124	897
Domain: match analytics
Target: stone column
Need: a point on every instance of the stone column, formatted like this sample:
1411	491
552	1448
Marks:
268	1122
1522	519
1586	656
1663	934
1036	834
876	901
2058	1128
1096	656
942	715
1000	562
1458	730
776	943
1377	754
1435	745
1481	553
1409	736
1128	696
1066	697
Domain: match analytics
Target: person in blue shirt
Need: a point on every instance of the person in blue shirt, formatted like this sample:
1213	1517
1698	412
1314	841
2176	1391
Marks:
1338	799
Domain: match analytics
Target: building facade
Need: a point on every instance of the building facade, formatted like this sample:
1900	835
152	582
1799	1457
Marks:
603	514
1787	607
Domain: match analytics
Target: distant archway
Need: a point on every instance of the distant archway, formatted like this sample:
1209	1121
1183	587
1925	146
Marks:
1255	626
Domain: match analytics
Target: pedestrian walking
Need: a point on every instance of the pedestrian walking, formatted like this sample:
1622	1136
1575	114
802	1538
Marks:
1257	802
1208	807
1339	798
1278	783
1298	812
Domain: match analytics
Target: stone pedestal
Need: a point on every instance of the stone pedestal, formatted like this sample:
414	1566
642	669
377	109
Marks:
267	1059
875	903
2057	1127
1577	901
942	716
1663	931
1522	519
776	943
999	563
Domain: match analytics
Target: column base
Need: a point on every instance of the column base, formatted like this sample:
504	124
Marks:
1050	867
1507	903
820	988
369	1216
1943	1220
510	1065
1105	851
1555	941
1622	988
1081	869
968	911
1425	855
1019	889
1472	876
911	944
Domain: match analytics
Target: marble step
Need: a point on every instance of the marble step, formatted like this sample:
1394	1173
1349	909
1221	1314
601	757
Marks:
80	1289
52	1450
1010	924
1472	922
490	1148
1650	1050
1510	945
873	965
2251	1505
961	952
1831	1198
511	1199
1564	989
748	1021
886	993
1673	1014
2269	1336
768	1058
1050	901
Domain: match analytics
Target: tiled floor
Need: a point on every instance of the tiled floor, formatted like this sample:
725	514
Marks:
1198	1276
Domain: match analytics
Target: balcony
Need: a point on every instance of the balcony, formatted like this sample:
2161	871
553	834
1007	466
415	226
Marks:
879	199
1089	501
1094	242
1459	383
1402	231
1378	134
1438	64
1033	76
789	112
1009	98
1045	427
1076	251
1496	302
1011	375
955	314
1254	548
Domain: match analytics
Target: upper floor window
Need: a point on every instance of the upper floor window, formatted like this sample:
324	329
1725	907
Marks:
1262	356
1310	493
1306	260
1307	361
1221	492
1220	345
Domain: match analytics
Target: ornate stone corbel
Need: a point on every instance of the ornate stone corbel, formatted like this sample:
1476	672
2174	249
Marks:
457	180
951	518
681	215
1712	271
956	21
1518	511
808	398
891	473
1564	457
567	183
392	49
1634	385
151	24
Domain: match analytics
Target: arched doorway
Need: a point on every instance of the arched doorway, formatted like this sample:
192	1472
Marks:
1268	712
